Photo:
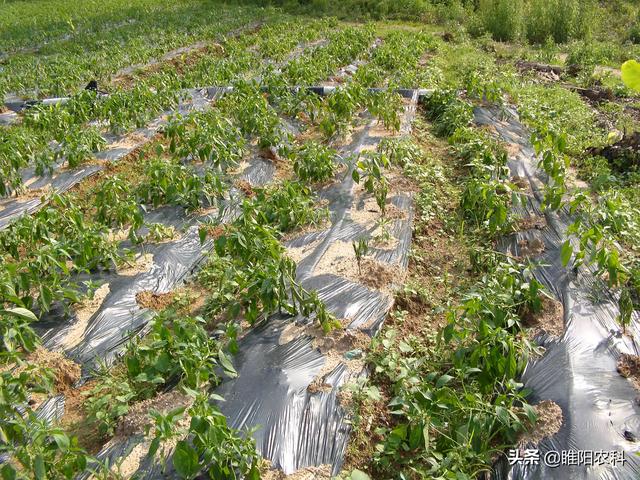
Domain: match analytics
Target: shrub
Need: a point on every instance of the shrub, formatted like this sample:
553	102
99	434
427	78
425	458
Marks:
536	20
502	18
634	33
559	19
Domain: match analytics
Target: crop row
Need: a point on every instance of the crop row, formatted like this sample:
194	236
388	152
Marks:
456	396
248	273
50	133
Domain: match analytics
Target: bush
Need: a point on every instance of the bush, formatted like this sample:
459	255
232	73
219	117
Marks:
559	19
502	18
536	20
634	34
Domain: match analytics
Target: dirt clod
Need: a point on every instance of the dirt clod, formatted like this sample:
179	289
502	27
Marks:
138	417
532	222
530	248
154	301
323	472
629	367
549	320
245	187
520	182
66	372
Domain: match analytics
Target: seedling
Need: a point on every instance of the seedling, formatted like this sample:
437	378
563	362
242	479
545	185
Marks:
360	248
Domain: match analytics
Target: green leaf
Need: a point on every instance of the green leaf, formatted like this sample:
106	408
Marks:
8	472
359	475
443	380
185	460
20	313
631	74
566	252
254	473
226	364
39	469
425	435
61	440
153	448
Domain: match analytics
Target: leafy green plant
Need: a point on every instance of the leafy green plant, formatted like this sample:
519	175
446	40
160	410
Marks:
386	106
207	137
214	447
16	333
108	401
399	151
159	232
626	306
448	112
165	430
455	397
551	147
80	144
116	205
169	182
286	207
177	347
340	108
486	202
370	168
314	162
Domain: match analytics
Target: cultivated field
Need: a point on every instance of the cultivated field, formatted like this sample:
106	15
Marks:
319	240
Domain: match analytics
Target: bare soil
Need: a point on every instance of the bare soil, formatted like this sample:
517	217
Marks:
84	311
537	222
299	253
548	423
339	259
66	372
75	419
142	263
136	421
245	187
530	248
323	472
154	301
549	320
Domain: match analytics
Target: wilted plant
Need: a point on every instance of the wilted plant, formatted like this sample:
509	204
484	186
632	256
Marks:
360	249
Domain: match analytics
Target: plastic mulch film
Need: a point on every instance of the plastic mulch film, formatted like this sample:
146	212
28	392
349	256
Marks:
578	370
289	374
